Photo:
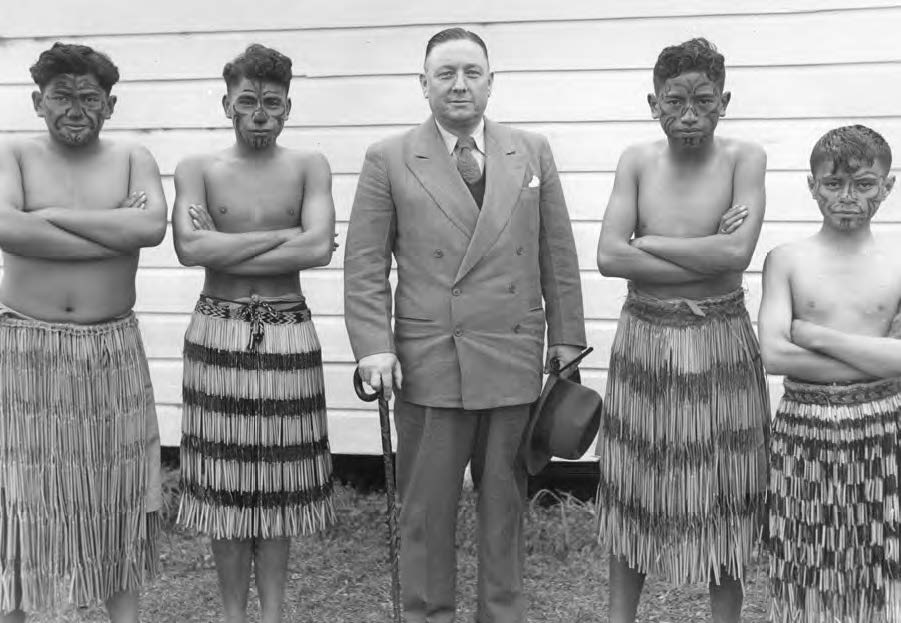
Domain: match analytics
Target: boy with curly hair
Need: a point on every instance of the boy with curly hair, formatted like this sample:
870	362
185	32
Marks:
682	443
79	443
255	461
828	322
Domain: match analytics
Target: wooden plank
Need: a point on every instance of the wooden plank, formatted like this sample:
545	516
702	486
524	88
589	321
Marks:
583	147
804	92
583	45
98	17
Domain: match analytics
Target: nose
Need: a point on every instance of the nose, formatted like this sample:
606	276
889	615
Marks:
847	191
459	82
690	116
74	110
260	115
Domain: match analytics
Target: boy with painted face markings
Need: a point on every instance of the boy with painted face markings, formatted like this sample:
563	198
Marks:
682	442
826	323
256	467
79	444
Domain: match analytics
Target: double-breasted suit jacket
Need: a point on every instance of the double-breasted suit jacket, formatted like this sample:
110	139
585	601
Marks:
475	287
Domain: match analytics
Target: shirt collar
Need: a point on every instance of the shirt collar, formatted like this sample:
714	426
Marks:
450	140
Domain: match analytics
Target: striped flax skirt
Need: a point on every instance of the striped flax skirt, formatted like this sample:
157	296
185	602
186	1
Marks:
682	444
79	461
834	511
255	456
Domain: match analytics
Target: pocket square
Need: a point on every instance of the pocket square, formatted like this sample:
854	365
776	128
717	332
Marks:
533	183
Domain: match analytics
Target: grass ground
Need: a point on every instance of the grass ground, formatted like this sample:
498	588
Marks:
341	576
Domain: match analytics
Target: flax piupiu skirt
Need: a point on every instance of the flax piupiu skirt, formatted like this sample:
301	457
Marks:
834	508
682	442
255	455
79	461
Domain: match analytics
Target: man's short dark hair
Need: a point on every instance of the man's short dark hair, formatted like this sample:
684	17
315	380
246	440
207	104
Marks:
454	34
851	147
71	58
697	54
258	62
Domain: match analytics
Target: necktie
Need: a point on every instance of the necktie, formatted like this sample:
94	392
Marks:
466	162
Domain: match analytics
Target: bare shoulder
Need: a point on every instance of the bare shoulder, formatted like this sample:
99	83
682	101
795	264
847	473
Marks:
640	155
307	160
785	257
742	151
197	163
889	251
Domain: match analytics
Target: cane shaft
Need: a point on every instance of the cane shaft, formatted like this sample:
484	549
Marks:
390	493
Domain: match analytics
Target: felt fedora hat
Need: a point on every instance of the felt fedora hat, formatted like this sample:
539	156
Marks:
562	423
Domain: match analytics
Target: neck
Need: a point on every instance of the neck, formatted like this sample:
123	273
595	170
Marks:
691	152
90	147
249	151
846	240
461	129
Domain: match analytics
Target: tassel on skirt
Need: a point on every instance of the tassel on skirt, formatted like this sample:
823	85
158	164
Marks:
682	443
79	462
833	518
255	456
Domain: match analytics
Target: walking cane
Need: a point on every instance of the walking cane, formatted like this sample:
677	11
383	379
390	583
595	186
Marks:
385	425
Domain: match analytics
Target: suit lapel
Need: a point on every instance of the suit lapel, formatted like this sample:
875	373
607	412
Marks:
428	160
504	169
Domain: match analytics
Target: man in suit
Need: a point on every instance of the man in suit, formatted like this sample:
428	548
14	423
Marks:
474	215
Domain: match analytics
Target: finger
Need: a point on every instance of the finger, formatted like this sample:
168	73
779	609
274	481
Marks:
375	380
398	376
195	224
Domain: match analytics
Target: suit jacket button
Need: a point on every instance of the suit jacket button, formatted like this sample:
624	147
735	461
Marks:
519	250
438	253
458	332
456	291
516	328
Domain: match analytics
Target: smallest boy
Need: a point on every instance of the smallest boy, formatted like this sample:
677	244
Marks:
825	323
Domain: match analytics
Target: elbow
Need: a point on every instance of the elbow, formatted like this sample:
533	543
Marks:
323	254
185	256
607	263
738	259
773	358
155	236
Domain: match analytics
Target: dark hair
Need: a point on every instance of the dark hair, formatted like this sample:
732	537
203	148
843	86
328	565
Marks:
258	62
695	55
851	147
71	58
454	34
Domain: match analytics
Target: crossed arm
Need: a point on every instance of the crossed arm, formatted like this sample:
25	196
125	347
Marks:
810	352
43	233
665	259
268	252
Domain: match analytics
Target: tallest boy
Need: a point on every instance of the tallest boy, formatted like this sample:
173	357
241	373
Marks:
474	215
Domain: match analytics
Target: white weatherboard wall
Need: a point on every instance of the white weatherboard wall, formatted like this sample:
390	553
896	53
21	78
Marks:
577	71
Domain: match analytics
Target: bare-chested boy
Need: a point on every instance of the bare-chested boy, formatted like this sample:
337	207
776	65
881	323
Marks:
255	458
79	446
826	324
682	443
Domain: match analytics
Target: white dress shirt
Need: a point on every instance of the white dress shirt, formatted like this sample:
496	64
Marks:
478	135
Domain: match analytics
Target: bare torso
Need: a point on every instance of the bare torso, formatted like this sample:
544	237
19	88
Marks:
855	292
244	195
686	200
84	291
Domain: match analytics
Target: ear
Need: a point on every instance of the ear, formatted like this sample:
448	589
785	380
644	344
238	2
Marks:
110	106
812	186
36	98
287	108
226	106
887	187
490	82
655	106
725	98
424	83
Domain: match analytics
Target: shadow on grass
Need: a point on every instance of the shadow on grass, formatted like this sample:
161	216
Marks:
342	576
